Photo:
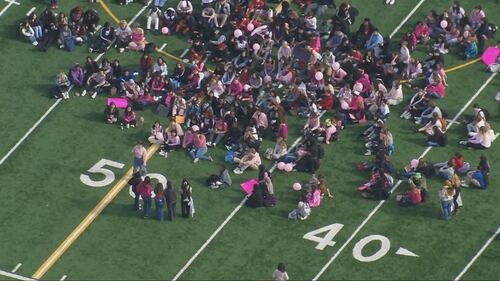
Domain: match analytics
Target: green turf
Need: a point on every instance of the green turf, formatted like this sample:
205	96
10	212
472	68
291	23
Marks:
44	199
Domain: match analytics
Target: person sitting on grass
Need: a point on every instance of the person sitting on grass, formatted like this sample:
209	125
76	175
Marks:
128	118
250	160
96	83
200	149
157	133
313	197
478	178
328	132
379	186
279	150
446	194
137	42
481	140
172	143
62	86
77	77
301	212
28	33
123	35
111	113
410	198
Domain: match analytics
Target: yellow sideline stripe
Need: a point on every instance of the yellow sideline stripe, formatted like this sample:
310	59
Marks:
455	68
106	8
78	231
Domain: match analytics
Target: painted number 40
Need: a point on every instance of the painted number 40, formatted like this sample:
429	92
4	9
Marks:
333	229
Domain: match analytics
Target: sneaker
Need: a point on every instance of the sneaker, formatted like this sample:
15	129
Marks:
368	153
218	183
133	126
209	144
77	94
392	2
196	160
463	142
228	147
210	159
463	184
238	171
387	2
162	153
94	95
166	154
84	93
121	50
121	126
128	126
417	122
35	43
91	50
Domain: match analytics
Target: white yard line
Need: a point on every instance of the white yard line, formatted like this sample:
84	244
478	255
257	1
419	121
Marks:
466	268
6	156
139	13
184	53
15	276
221	226
16	268
379	205
30	11
163	46
8	6
406	19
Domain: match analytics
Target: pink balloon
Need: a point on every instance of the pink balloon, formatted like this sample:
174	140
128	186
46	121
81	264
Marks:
281	165
336	66
164	30
256	47
296	186
318	76
443	24
358	87
288	167
237	33
250	27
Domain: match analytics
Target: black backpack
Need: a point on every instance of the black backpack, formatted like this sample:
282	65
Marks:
149	48
212	179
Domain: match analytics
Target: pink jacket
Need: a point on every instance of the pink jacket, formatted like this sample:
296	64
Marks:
439	89
314	199
422	30
188	139
260	119
283	131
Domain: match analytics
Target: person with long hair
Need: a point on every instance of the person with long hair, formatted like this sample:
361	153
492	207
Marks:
265	178
159	201
481	140
128	118
145	190
171	199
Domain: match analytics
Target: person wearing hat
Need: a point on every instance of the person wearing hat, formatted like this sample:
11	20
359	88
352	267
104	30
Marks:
200	149
420	181
356	108
446	194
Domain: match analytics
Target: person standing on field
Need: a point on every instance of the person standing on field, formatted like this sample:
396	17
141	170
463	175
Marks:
171	199
140	158
159	201
280	273
145	190
187	206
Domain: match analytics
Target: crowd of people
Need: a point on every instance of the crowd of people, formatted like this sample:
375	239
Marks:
323	65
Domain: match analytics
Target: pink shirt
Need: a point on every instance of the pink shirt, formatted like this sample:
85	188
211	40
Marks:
144	190
283	131
139	152
188	139
200	141
438	88
260	119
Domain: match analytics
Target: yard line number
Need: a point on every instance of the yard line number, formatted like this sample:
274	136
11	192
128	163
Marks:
357	252
109	176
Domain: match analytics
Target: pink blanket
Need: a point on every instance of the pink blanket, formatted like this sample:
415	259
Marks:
119	102
248	185
490	55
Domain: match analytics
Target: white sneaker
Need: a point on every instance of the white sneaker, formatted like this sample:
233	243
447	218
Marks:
238	171
77	94
35	43
210	159
218	183
462	142
392	2
121	50
94	95
196	160
209	144
387	2
128	126
84	93
162	153
166	154
368	153
133	126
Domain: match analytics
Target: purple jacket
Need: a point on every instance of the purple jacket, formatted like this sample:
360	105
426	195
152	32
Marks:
76	75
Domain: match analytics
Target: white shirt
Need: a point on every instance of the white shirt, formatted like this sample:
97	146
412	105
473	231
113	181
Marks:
280	276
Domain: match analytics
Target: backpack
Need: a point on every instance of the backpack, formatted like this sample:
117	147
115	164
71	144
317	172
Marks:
212	179
149	48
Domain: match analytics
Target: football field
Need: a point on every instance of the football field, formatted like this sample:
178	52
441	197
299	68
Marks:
67	212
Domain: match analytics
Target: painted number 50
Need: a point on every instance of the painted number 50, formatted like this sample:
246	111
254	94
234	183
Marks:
98	168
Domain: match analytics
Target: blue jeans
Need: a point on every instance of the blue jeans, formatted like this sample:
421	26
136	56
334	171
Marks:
147	206
200	153
139	165
159	209
446	208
